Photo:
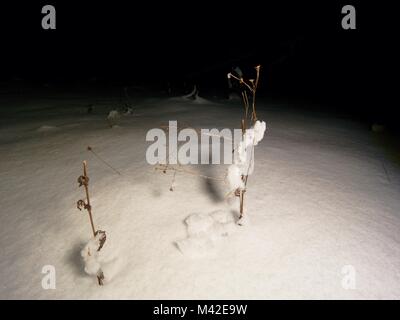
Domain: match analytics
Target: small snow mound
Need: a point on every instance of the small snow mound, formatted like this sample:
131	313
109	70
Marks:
99	261
113	118
205	231
46	128
221	216
244	221
90	254
198	224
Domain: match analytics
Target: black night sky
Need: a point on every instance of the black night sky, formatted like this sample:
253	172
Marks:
302	48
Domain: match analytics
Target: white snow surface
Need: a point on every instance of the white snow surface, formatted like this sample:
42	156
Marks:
325	194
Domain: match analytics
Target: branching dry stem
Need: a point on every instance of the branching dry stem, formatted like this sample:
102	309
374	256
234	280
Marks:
252	86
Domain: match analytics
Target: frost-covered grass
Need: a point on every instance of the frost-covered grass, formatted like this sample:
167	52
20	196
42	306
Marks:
323	195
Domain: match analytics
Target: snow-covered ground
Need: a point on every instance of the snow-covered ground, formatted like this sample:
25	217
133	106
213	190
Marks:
324	195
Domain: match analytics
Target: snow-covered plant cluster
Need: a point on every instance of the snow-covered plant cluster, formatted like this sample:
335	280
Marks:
90	254
95	264
113	118
115	115
244	157
243	165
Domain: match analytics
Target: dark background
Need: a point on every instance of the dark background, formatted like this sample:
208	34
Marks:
304	52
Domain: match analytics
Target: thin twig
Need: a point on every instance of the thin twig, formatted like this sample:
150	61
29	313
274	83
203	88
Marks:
166	168
89	148
386	172
241	80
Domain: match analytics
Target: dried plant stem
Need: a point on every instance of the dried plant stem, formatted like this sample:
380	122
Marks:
246	103
100	279
255	86
81	204
252	86
254	114
241	194
89	207
243	126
